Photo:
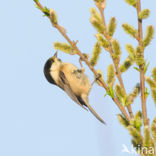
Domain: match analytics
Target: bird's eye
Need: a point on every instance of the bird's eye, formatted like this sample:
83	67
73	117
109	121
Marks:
59	60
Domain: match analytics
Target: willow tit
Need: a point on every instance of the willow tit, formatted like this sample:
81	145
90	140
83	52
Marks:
71	79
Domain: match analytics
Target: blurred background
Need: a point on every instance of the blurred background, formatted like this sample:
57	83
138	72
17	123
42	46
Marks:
37	118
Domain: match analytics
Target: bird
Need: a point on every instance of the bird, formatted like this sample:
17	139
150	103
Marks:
70	79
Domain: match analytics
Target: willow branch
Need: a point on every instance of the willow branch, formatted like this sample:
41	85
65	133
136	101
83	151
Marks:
118	73
142	76
73	44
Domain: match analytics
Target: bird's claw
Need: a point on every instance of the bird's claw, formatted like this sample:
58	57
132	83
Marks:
96	78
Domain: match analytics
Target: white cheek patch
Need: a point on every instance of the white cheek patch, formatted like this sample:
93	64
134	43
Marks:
55	75
54	70
55	66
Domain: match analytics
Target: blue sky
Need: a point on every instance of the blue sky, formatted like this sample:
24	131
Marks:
38	119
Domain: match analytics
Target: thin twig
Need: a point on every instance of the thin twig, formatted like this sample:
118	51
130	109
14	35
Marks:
142	76
59	28
118	73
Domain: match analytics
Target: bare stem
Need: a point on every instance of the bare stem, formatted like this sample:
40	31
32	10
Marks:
59	28
118	73
142	76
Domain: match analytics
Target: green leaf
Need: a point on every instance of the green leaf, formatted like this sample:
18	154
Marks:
110	92
146	92
46	11
137	69
36	1
146	67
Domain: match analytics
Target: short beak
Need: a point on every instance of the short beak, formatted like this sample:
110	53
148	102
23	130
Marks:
55	55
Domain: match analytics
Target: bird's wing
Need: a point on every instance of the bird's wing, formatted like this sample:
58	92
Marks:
64	84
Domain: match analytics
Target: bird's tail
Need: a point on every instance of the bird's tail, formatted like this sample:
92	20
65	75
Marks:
95	114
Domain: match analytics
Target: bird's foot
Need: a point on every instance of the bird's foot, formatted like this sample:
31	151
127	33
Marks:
96	78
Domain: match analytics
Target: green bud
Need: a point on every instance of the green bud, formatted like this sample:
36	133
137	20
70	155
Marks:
136	135
150	82
100	3
153	90
136	144
64	47
102	41
131	51
130	30
112	26
132	2
110	75
126	64
120	93
149	35
137	121
133	95
139	59
147	137
95	54
144	14
95	14
97	25
123	121
116	50
53	17
154	74
153	129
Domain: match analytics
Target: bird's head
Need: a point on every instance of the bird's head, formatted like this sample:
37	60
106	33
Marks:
51	65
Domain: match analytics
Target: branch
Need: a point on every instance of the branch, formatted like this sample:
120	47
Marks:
73	44
118	73
142	76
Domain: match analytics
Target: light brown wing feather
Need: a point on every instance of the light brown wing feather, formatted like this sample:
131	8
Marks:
64	84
